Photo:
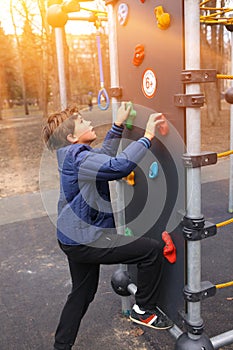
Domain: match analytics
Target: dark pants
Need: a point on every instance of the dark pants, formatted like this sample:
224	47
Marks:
84	262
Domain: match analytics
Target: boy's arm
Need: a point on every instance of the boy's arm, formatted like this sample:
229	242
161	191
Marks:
113	137
102	167
112	140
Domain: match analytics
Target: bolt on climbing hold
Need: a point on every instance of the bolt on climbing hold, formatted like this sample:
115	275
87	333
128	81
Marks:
139	54
131	116
129	232
123	13
153	171
163	128
163	18
130	179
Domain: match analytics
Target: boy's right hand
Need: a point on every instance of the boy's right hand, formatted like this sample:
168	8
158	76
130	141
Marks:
153	121
122	113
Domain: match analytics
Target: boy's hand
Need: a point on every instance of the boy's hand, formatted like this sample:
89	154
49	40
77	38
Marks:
153	121
122	114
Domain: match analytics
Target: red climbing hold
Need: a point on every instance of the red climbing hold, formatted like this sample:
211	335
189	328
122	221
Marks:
169	250
163	128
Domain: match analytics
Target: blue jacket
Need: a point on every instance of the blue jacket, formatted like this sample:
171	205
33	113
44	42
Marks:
84	207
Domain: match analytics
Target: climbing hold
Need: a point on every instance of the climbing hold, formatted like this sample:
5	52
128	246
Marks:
129	232
143	1
130	179
123	13
163	18
153	171
163	128
169	250
139	54
131	116
229	95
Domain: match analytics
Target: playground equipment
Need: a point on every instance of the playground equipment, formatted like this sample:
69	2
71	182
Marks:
152	68
151	65
57	16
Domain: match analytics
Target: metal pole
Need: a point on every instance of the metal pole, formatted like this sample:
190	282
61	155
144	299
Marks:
193	124
230	209
61	66
222	339
114	72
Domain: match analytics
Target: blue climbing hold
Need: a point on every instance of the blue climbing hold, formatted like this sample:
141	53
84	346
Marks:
154	169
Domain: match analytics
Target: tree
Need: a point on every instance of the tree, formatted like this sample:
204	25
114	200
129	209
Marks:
9	88
20	59
213	56
30	57
45	50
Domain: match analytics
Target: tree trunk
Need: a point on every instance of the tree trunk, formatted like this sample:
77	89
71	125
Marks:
20	62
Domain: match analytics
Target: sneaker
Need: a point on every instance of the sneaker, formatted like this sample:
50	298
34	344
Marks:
154	319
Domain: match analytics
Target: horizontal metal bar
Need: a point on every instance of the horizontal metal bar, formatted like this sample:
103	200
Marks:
132	288
222	339
175	331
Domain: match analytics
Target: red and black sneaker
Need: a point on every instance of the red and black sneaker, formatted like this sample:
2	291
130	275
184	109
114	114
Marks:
151	318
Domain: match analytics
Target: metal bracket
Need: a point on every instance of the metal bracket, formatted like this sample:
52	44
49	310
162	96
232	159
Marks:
207	290
194	100
199	76
199	160
195	224
193	234
115	92
193	329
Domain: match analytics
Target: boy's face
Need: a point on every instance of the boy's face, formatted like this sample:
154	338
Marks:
83	131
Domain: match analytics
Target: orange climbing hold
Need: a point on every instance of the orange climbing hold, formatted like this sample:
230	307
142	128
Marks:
130	179
139	54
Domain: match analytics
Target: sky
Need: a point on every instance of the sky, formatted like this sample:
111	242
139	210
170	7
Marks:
74	27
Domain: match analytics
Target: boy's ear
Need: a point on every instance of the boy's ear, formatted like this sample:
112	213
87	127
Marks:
71	138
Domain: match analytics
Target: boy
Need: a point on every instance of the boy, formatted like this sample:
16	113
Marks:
85	227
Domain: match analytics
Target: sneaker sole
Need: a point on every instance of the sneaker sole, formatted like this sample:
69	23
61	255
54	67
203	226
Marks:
149	325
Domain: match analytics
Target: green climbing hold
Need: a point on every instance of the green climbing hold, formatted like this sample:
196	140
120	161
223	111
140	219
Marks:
129	232
132	115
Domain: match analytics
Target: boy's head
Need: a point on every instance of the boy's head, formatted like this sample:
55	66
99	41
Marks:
65	128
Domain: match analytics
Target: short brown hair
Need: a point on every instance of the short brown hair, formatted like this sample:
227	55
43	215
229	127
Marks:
58	126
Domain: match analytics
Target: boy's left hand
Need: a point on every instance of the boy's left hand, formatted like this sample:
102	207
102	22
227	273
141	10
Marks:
122	114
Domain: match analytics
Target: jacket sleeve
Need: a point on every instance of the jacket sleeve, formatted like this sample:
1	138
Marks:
111	142
102	167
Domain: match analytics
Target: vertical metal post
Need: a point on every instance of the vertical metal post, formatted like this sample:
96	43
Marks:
193	124
114	72
61	66
230	206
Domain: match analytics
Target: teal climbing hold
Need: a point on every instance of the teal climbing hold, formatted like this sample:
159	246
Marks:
132	115
154	169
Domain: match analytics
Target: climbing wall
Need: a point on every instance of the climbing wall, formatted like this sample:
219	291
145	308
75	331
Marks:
151	58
